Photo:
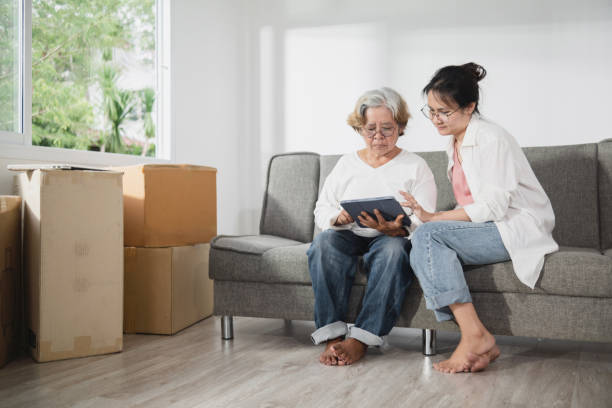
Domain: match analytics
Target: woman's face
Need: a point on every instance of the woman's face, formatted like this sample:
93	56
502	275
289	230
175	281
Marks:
448	118
380	131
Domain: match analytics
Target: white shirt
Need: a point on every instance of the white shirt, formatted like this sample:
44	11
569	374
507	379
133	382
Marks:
352	178
506	190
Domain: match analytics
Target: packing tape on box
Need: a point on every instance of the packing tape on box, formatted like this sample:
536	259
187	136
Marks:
82	347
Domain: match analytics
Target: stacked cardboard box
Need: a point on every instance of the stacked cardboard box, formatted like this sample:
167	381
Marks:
170	216
10	249
73	263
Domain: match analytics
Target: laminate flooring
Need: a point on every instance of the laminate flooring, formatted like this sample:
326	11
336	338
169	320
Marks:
272	363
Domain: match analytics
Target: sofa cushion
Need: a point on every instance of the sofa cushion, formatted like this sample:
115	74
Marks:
569	272
288	264
250	244
604	176
568	174
291	192
239	257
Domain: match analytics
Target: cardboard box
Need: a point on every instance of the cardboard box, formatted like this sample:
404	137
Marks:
10	249
166	289
73	263
169	205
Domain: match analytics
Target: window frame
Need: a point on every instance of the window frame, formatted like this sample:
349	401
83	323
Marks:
18	145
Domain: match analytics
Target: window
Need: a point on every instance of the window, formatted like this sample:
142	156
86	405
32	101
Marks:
10	72
96	76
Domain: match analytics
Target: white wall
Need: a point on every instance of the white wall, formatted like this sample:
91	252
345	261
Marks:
251	78
548	63
210	116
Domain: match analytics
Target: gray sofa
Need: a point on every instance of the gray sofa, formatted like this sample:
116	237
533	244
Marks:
266	275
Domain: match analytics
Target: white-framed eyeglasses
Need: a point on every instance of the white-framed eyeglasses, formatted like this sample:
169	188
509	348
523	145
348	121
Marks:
385	131
430	114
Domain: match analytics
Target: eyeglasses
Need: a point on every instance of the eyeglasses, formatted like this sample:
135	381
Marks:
443	116
385	131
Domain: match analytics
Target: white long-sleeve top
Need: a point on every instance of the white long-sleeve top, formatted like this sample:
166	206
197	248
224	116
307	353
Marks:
505	190
352	178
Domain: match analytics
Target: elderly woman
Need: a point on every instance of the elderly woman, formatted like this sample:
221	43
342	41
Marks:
380	169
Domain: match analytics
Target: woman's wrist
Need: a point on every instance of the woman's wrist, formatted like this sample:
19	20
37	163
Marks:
430	216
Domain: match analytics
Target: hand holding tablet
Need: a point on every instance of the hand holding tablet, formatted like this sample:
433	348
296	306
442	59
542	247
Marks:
388	206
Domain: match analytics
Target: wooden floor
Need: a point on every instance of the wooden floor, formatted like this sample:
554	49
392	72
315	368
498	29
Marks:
273	364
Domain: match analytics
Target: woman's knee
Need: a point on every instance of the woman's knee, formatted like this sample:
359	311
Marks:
427	231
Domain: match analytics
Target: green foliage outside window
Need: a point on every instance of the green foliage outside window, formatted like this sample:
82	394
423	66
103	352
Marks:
9	66
79	54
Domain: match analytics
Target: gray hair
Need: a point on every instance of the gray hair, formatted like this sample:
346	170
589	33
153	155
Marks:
380	97
375	98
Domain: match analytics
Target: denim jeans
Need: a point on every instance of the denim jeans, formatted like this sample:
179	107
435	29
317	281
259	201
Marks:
332	262
439	251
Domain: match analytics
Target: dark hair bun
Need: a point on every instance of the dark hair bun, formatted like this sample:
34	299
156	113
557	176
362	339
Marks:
477	71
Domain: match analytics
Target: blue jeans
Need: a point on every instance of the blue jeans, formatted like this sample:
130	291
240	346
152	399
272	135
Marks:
439	251
332	262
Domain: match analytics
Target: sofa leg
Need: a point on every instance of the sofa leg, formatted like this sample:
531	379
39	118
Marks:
429	342
227	327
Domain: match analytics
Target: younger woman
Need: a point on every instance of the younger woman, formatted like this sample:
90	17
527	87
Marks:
503	213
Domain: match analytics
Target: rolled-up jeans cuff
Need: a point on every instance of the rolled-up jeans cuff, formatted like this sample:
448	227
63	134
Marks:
329	331
443	314
365	336
448	298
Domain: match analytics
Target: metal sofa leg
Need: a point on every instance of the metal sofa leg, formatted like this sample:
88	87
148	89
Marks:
429	342
227	327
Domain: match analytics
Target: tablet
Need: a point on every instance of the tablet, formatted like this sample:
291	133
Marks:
389	207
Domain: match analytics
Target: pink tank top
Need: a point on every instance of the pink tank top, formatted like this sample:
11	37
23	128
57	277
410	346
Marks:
463	195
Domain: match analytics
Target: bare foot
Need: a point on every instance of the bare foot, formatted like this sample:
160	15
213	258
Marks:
328	357
349	351
485	359
474	353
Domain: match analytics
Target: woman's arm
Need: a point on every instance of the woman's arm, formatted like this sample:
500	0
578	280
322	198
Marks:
328	213
426	216
497	176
